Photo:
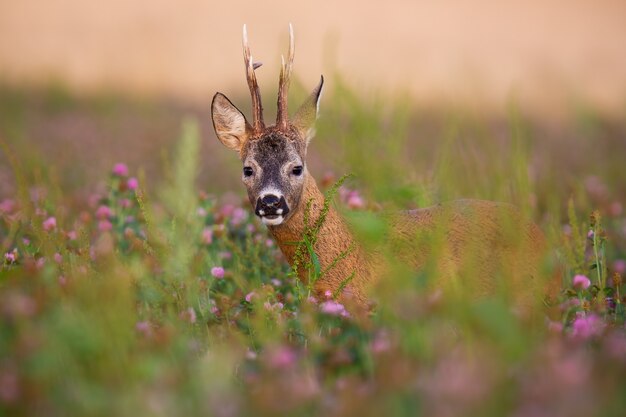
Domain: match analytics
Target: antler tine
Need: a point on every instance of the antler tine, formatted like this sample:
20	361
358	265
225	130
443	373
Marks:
283	85
257	107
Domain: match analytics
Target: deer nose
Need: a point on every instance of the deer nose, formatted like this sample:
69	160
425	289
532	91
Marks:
270	201
271	206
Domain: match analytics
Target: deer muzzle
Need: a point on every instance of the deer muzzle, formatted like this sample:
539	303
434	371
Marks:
272	209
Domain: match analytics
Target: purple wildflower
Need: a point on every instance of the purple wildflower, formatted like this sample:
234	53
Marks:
207	236
585	327
105	225
144	328
355	201
11	257
238	216
282	357
49	224
581	282
7	206
217	272
104	212
333	308
120	169
132	183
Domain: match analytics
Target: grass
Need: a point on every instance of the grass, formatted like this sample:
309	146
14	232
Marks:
146	296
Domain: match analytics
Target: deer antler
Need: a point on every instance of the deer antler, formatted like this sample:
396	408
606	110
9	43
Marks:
283	85
257	108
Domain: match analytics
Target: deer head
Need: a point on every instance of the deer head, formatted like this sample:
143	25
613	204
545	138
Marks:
273	157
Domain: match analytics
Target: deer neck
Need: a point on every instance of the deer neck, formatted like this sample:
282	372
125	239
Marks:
334	241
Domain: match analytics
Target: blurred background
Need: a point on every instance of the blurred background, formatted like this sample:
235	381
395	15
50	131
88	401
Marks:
544	54
133	292
87	83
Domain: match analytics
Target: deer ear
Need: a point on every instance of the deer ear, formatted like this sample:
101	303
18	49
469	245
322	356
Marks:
305	117
230	124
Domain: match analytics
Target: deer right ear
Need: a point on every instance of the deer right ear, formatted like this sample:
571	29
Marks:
230	124
305	117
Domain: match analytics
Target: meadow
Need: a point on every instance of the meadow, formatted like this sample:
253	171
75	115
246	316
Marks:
135	279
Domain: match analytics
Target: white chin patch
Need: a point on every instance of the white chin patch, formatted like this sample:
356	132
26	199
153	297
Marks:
272	222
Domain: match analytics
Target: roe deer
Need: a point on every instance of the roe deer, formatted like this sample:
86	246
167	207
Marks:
492	240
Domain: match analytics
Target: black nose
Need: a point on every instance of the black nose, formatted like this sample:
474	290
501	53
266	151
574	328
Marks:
271	205
270	201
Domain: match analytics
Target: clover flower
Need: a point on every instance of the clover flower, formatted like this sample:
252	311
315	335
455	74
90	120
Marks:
49	224
120	170
587	326
104	212
105	225
207	236
282	357
11	257
581	282
132	183
217	272
333	308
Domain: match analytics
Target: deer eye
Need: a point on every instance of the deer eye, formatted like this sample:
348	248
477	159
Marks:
297	170
247	171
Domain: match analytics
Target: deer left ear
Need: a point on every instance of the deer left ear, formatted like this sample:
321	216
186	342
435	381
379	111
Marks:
305	117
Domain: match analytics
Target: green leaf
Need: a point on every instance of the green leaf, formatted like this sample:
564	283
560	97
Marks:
317	269
316	265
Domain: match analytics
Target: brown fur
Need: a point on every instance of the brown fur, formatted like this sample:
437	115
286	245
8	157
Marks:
480	247
462	239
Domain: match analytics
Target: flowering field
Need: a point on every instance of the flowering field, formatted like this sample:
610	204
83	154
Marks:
153	295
